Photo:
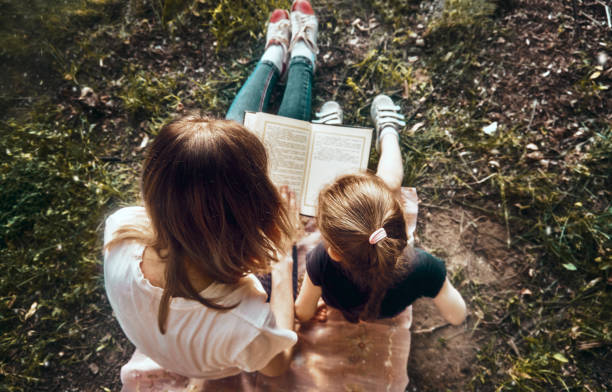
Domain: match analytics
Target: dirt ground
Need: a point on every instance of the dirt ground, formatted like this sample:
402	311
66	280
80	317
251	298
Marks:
474	248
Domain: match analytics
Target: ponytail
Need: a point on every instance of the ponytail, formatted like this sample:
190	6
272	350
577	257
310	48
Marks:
362	220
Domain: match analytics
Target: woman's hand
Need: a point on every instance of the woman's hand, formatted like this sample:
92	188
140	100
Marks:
281	298
293	210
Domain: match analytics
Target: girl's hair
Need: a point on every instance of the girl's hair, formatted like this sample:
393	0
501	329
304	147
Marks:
211	206
349	211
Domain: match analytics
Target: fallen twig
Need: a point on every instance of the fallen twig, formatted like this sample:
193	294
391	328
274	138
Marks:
430	330
435	206
533	109
514	347
575	17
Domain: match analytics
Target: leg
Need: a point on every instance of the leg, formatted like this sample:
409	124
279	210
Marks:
297	99
255	93
390	166
388	121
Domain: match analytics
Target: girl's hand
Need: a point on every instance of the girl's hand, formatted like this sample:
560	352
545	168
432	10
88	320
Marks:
307	303
321	313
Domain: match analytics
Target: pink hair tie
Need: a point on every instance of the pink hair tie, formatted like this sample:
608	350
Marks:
378	235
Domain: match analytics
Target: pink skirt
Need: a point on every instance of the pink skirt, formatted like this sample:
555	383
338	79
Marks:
334	356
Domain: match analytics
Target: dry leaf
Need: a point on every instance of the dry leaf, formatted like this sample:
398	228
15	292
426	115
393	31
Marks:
595	75
416	126
33	309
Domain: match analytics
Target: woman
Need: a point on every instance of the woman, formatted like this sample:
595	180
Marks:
179	272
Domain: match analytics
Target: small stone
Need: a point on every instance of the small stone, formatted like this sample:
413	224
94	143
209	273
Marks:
535	155
602	58
490	129
94	368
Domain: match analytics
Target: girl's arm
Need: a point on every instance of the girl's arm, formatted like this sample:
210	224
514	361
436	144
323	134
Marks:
450	303
306	303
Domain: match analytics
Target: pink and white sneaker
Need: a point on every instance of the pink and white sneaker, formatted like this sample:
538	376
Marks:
304	25
279	33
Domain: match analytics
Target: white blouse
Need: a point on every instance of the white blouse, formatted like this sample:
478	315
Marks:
199	342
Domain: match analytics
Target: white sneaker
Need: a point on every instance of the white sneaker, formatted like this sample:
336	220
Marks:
386	117
304	25
279	32
330	113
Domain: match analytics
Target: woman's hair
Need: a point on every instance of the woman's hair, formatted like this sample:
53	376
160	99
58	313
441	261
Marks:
349	211
211	206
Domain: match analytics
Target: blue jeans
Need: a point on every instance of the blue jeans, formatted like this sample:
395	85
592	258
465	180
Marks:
255	93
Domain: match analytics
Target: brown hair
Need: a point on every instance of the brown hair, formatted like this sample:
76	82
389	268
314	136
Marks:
211	205
349	211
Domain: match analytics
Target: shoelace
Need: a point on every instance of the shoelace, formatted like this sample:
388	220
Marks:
303	33
277	34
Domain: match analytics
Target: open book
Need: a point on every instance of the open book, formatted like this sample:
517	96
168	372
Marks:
307	156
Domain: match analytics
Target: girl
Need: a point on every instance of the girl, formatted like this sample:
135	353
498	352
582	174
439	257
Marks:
179	271
364	266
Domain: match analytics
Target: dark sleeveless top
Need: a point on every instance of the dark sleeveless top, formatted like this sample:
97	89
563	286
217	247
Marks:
424	279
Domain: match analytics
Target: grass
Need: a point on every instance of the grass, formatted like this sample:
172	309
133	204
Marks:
64	165
55	191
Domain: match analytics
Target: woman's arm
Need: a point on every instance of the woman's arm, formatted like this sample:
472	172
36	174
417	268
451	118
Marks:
450	304
281	297
281	304
306	303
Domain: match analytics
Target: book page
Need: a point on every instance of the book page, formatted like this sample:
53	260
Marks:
286	142
335	150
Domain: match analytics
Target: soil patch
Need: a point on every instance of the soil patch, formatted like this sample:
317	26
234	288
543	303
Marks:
474	249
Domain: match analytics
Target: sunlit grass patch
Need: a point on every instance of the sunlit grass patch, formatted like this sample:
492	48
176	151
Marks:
230	21
53	195
146	95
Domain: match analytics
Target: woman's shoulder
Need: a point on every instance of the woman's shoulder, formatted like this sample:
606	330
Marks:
133	215
126	215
